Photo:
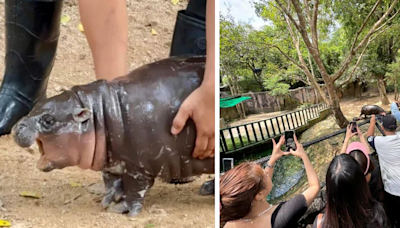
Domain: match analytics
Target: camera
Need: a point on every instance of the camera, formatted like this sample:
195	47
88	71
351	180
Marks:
379	118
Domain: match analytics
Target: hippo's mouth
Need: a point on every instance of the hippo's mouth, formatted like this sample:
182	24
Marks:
43	164
40	145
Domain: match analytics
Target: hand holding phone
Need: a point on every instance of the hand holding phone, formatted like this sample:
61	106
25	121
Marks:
289	139
353	126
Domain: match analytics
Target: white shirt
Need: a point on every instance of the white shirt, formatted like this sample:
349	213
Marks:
388	150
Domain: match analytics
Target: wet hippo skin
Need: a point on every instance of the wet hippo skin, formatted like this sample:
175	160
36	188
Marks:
371	110
121	128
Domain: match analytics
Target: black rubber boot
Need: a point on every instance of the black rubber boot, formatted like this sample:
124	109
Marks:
32	31
190	30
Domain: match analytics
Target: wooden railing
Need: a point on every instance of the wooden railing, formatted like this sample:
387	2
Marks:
236	138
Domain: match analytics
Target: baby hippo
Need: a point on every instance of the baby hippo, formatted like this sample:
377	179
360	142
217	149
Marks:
371	110
121	128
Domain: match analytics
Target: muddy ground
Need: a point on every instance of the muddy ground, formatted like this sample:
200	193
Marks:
63	205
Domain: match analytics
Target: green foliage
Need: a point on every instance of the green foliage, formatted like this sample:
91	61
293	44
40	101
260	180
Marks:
393	74
274	84
304	105
243	48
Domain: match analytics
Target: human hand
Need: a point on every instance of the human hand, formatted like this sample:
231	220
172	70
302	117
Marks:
299	152
359	133
276	151
200	106
349	134
373	119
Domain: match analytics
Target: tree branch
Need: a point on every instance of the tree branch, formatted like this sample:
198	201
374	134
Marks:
280	50
360	57
307	8
313	49
314	29
364	23
390	19
362	43
302	27
288	14
355	66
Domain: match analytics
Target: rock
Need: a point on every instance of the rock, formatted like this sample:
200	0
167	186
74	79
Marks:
61	88
97	189
157	211
1	206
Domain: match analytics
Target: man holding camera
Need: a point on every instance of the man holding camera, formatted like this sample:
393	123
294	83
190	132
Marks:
388	149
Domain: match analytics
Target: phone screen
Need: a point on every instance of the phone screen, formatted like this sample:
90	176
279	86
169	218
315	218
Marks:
289	139
227	164
353	127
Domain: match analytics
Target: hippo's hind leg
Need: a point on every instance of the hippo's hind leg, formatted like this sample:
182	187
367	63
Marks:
114	188
135	186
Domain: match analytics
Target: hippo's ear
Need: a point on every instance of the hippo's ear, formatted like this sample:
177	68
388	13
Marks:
81	114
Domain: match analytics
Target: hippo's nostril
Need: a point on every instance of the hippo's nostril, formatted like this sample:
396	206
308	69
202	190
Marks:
23	135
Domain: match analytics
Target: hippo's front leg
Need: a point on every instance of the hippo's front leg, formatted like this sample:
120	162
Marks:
114	188
136	185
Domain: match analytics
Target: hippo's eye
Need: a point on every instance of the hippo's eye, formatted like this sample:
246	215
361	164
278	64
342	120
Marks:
47	121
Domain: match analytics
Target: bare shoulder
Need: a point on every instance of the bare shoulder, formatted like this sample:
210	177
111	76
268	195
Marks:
230	225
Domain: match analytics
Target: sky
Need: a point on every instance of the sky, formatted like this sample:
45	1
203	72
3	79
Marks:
242	10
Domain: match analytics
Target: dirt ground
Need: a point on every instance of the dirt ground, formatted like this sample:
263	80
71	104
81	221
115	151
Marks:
350	108
63	205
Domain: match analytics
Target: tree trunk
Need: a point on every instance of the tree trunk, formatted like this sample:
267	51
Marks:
316	95
396	95
382	91
258	82
358	90
232	87
334	104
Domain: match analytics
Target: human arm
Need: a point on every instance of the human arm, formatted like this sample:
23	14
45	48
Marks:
106	30
371	128
200	104
363	140
395	110
313	184
347	139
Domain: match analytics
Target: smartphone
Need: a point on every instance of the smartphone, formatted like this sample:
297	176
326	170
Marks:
227	164
289	140
353	125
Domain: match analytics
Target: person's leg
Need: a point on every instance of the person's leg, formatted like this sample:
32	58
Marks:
32	30
391	205
106	27
189	36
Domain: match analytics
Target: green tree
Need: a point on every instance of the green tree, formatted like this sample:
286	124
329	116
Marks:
393	78
309	24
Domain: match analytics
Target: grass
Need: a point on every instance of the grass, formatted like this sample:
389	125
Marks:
229	143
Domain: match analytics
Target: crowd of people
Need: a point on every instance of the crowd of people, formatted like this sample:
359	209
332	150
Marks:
361	191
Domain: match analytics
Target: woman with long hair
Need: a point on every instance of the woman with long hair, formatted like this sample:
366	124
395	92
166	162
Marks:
360	151
244	190
349	201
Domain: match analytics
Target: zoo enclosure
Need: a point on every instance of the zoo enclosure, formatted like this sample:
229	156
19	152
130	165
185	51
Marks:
236	138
